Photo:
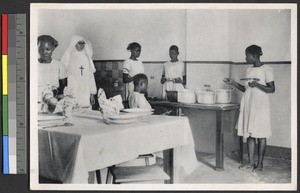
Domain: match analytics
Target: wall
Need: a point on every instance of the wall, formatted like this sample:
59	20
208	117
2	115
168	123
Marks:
270	29
110	31
207	35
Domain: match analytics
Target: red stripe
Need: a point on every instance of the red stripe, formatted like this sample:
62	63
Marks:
4	34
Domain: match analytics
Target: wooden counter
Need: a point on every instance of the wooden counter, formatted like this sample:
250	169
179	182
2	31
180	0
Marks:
221	111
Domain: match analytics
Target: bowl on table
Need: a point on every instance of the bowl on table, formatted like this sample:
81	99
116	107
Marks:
172	96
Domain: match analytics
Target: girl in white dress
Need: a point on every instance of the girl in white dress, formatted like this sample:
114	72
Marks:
174	76
137	98
132	67
52	76
254	119
80	68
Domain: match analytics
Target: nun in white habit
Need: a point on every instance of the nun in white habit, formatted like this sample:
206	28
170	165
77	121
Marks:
80	69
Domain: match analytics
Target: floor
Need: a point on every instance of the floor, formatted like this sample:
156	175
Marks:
276	170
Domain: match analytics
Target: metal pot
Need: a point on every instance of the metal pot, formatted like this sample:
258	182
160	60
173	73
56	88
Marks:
223	95
206	97
172	96
186	96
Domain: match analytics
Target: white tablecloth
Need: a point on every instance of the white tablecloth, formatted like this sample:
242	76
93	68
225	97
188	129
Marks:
69	153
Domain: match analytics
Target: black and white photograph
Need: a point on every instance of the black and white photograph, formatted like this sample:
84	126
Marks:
163	96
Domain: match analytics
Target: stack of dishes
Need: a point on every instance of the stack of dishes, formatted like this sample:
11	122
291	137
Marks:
128	116
48	120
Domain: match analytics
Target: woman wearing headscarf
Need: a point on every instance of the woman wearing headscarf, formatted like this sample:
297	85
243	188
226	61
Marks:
80	68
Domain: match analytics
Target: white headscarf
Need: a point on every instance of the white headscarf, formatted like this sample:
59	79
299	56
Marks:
87	49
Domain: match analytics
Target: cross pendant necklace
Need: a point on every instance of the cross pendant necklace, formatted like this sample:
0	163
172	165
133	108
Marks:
81	68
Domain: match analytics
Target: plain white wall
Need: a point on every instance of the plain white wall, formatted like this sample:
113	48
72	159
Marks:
110	31
270	29
207	35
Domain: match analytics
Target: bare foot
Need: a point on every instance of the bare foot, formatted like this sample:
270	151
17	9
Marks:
246	166
257	168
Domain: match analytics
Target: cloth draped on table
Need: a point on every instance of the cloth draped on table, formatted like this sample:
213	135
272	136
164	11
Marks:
60	148
80	68
92	148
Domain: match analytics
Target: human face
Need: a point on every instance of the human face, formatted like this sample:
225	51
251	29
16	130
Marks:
45	51
173	55
80	45
144	85
136	52
250	58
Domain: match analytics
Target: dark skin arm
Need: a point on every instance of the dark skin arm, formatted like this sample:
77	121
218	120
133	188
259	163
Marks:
177	80
127	78
269	88
62	84
235	84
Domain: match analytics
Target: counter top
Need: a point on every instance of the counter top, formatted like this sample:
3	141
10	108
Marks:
216	106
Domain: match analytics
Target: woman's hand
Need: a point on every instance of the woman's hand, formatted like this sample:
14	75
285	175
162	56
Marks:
163	80
229	81
253	84
92	99
178	80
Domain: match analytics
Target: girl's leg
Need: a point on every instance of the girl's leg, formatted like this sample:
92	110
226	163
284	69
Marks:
251	148
262	143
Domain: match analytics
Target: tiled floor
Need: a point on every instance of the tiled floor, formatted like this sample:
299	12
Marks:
276	170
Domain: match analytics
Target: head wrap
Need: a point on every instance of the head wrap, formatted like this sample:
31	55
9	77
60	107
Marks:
88	50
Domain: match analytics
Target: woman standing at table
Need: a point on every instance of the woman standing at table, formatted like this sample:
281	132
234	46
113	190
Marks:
132	67
52	77
174	76
80	69
254	119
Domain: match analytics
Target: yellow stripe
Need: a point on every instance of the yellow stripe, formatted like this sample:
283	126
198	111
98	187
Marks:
4	74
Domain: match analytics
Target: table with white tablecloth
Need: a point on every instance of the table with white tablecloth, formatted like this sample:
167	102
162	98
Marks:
69	153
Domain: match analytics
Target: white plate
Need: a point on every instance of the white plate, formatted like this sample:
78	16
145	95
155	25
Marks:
49	117
124	116
120	121
137	110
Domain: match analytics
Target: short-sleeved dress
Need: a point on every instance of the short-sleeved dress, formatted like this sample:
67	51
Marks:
132	68
254	119
49	75
173	70
138	100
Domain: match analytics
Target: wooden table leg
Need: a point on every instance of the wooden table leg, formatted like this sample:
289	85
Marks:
219	141
169	164
241	142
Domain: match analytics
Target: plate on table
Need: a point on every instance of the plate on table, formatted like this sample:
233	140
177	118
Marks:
49	117
119	121
137	110
250	79
124	116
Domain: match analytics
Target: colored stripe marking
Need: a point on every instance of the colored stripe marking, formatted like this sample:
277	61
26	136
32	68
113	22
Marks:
5	155
5	93
4	75
4	33
5	115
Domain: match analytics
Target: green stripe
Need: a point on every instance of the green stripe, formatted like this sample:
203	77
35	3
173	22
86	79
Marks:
5	115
